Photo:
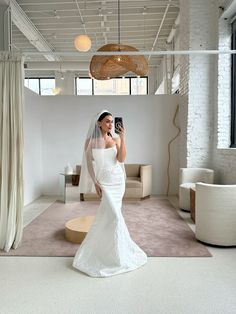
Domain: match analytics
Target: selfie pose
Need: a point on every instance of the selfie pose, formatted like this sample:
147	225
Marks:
107	248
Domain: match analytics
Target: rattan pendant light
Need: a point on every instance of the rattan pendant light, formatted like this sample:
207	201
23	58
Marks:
107	67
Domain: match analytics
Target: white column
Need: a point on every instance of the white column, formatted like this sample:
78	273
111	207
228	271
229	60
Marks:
67	84
198	30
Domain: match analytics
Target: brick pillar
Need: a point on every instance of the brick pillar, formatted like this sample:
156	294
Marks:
198	31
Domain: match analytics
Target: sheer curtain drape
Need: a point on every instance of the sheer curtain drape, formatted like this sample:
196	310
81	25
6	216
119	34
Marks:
11	149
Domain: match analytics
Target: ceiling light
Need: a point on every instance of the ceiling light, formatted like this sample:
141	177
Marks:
82	43
106	67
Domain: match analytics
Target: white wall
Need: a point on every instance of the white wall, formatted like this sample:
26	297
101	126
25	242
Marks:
32	147
148	121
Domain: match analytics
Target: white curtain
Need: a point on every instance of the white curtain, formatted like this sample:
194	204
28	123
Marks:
11	149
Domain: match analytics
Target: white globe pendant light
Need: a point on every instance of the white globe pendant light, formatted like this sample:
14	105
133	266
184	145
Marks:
82	43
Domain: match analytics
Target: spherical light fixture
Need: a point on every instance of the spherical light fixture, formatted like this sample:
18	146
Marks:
82	43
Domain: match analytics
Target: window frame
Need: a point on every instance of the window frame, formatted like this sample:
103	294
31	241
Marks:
83	77
39	81
130	87
127	77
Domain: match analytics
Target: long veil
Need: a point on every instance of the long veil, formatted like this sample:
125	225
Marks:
89	171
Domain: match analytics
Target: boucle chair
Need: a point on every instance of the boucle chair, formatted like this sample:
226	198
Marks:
215	214
187	179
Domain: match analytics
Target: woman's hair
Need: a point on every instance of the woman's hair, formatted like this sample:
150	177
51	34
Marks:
102	116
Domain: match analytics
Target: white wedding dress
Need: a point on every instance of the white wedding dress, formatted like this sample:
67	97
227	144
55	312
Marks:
108	249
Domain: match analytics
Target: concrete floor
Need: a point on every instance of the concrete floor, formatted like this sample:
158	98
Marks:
48	285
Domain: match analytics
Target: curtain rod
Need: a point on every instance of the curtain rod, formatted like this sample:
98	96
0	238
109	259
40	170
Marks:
130	53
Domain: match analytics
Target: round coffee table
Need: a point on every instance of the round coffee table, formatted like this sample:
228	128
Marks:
76	229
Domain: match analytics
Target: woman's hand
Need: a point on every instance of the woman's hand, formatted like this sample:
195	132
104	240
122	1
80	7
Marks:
122	132
98	188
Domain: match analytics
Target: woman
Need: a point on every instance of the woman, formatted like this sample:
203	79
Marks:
107	248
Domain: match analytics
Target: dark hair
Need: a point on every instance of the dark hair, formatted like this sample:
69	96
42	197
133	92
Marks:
102	116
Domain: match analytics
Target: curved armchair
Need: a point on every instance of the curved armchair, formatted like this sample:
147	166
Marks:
215	214
187	179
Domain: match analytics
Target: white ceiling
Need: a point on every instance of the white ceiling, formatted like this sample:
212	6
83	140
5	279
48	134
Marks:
59	21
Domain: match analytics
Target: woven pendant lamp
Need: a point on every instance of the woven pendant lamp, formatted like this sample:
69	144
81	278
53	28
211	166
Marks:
104	67
107	67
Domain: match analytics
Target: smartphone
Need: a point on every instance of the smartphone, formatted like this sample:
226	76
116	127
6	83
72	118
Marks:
118	123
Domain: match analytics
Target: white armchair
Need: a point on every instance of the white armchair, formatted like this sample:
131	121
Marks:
215	214
187	179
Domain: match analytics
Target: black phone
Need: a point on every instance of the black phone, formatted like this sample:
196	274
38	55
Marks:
118	123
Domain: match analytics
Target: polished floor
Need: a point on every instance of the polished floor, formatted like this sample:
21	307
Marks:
43	285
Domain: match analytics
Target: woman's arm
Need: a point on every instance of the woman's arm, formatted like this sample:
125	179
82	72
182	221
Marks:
121	147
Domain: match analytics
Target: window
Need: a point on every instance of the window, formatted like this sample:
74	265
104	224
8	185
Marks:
233	87
119	86
46	86
84	86
32	84
41	85
116	86
138	86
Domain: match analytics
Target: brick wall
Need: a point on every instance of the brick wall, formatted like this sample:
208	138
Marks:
205	91
198	30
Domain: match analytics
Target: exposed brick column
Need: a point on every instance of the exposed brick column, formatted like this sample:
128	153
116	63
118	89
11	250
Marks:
198	30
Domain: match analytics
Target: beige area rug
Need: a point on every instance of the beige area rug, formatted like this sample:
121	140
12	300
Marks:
154	224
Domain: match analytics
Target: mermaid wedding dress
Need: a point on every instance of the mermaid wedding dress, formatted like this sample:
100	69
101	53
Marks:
108	248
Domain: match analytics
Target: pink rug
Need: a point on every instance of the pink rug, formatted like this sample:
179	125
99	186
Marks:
154	224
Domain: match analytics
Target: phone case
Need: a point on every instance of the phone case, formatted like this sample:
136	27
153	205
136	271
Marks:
118	122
